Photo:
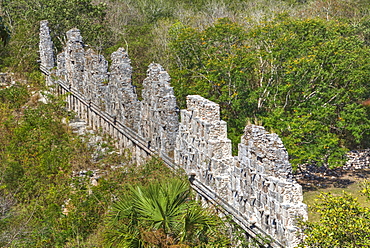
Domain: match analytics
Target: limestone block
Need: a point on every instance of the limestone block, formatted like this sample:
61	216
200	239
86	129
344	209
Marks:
219	148
61	66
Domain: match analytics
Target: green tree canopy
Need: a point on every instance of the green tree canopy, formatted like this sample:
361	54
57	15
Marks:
303	79
343	223
217	64
24	17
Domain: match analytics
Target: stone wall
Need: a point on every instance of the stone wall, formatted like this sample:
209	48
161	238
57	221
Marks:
359	159
202	146
155	118
262	185
159	115
258	183
46	46
256	186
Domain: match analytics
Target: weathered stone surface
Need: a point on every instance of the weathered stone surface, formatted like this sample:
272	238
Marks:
358	160
46	46
61	67
74	59
202	145
267	151
159	114
122	91
258	182
95	78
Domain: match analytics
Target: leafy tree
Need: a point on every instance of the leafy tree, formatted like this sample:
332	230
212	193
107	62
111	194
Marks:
217	64
303	79
23	18
343	223
314	79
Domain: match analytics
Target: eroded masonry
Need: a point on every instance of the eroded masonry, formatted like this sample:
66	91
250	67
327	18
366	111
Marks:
256	187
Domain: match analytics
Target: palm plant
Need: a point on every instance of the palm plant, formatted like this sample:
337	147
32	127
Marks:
161	215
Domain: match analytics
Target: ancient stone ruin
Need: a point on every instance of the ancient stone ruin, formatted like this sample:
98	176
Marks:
256	187
46	47
358	160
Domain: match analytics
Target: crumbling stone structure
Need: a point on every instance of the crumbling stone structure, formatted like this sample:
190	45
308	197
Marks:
159	115
255	187
258	183
46	47
121	92
202	146
357	160
263	187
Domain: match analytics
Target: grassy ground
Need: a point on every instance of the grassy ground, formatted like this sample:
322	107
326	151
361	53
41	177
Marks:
336	183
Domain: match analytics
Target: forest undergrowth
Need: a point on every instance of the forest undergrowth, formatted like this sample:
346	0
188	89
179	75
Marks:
48	198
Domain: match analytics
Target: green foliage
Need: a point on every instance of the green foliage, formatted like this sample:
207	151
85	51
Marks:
304	79
162	214
139	50
215	63
14	96
314	79
343	223
4	32
155	9
33	158
37	147
24	17
366	188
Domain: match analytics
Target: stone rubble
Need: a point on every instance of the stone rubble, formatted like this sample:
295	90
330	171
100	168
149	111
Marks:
358	160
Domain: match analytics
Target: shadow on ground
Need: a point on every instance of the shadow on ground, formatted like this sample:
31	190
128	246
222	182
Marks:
319	178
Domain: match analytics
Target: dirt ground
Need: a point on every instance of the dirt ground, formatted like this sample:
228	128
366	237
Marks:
314	179
319	180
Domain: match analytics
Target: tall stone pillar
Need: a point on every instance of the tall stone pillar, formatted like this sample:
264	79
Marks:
46	46
74	59
122	92
159	113
95	78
